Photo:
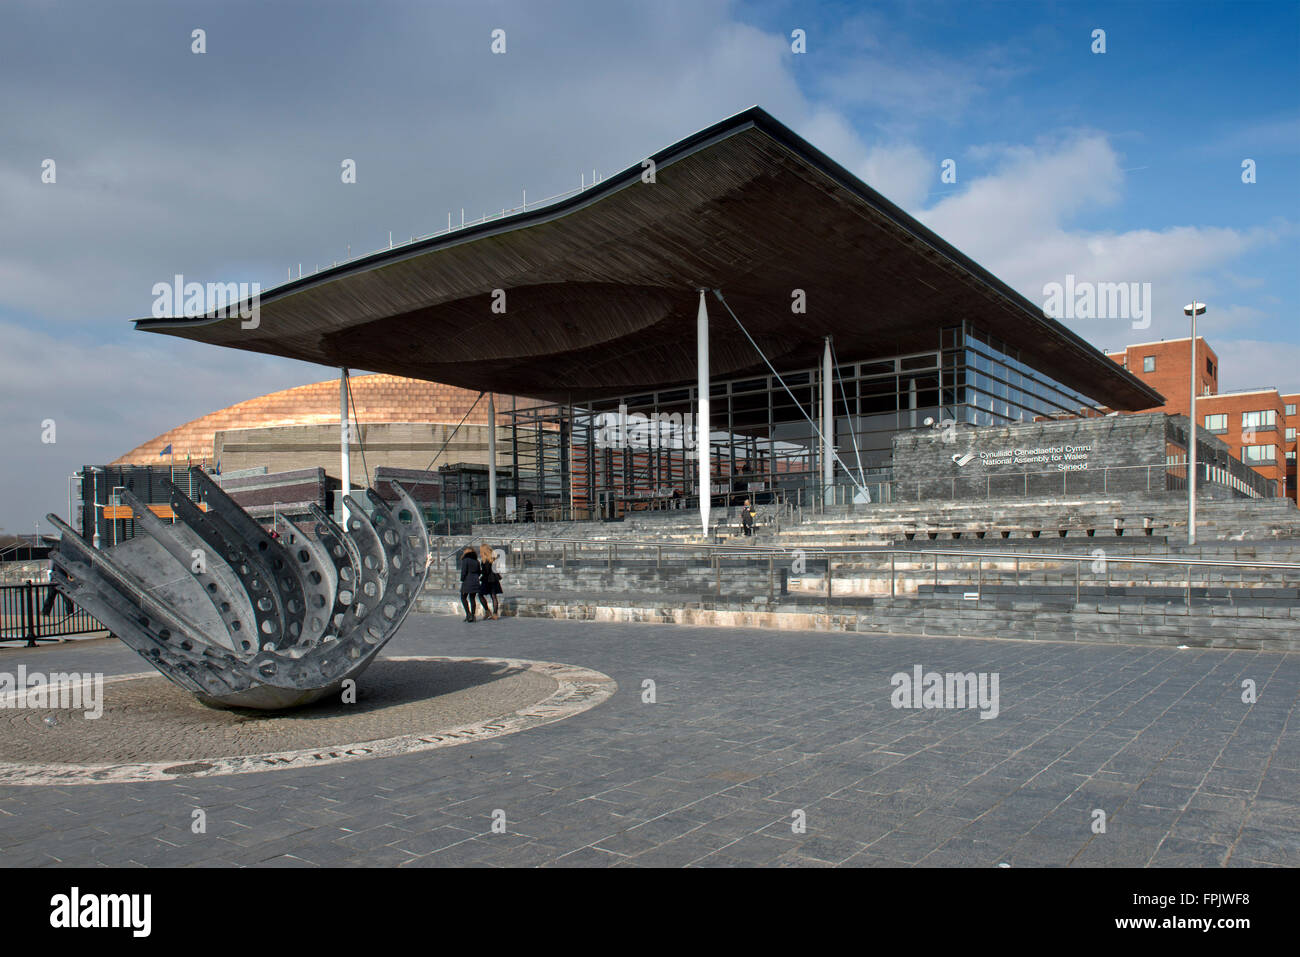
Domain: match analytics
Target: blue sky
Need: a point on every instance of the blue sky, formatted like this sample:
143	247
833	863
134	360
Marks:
1122	166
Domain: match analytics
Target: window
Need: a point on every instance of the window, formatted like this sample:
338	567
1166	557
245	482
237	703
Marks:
1216	423
1290	410
1290	456
1209	368
1266	419
1254	454
1290	435
1148	363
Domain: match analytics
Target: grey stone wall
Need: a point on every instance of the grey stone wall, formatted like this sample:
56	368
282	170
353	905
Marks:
1101	456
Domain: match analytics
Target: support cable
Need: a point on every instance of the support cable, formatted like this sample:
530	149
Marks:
454	431
853	433
361	445
847	471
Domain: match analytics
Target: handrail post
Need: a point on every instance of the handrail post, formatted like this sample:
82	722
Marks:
771	577
891	574
29	604
659	557
609	555
1076	581
979	588
1189	587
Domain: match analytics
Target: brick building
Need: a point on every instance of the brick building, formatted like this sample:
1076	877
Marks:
1290	402
1165	365
1253	424
1258	425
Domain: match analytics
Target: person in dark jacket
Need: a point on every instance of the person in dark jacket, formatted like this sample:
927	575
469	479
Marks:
470	574
747	516
490	581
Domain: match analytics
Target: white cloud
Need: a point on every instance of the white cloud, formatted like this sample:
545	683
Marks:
1016	221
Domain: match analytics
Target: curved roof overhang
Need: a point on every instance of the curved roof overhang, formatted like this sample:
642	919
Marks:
601	287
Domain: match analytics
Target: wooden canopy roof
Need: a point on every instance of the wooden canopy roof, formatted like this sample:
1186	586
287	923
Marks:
601	288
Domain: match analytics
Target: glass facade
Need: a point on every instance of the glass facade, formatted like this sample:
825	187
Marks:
763	440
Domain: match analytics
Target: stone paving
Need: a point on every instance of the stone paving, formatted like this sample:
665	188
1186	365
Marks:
749	728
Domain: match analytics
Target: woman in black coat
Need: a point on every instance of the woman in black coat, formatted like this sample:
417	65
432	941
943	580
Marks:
490	581
469	580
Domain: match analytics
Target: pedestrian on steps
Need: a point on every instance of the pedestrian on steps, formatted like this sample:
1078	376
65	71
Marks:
747	516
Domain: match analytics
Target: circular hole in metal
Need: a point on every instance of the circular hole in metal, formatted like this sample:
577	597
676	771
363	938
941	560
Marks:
371	563
164	633
236	626
370	588
401	588
346	573
345	597
304	555
390	537
314	577
264	604
294	629
212	586
397	561
263	545
390	611
268	627
225	607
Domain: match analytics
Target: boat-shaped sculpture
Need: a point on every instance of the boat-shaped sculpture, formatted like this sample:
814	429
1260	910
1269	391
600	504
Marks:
242	619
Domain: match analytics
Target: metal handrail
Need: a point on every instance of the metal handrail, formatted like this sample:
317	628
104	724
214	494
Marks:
886	550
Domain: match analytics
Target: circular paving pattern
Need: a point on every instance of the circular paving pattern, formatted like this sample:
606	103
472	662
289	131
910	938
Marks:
151	730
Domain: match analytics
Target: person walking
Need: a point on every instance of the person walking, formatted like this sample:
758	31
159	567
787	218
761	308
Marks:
490	580
747	516
469	580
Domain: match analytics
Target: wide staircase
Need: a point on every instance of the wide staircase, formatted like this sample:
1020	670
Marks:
1103	569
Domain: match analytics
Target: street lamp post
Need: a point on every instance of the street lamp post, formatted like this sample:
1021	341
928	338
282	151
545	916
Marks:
1192	309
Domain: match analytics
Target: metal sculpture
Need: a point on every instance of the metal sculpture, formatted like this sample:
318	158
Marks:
242	619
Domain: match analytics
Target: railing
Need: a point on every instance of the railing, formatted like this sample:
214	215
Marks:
34	612
572	549
1118	479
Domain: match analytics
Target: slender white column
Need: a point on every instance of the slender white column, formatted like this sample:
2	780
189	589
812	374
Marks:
702	416
345	468
492	456
828	460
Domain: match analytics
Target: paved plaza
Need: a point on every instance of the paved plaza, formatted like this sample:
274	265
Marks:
760	748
